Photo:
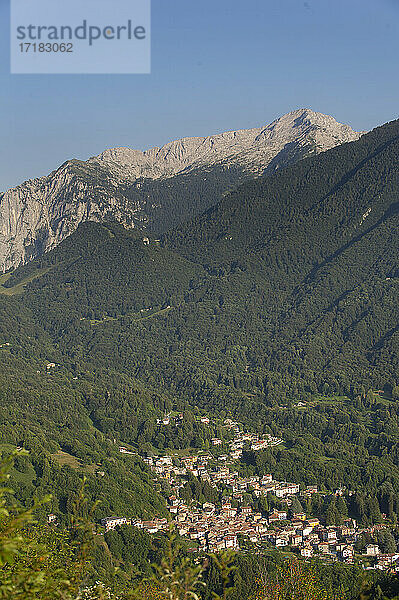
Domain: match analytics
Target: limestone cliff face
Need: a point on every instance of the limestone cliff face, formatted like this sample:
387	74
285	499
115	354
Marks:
40	213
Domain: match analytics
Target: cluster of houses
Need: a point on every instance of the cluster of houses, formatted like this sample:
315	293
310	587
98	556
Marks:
250	440
173	469
242	439
224	526
124	450
215	528
168	419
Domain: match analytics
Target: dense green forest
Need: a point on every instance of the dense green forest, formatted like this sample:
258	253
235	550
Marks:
285	292
160	204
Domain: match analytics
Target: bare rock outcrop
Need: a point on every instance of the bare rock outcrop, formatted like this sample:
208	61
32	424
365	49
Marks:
40	213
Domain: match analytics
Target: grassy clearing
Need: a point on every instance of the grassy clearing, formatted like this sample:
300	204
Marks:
66	459
19	288
63	458
26	477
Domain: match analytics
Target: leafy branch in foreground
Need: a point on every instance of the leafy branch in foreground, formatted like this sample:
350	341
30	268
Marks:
294	580
38	561
175	578
224	563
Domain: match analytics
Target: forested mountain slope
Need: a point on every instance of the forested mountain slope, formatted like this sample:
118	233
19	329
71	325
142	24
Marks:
323	239
285	291
155	189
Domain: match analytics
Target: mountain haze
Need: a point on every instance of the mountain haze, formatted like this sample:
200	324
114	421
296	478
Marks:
156	189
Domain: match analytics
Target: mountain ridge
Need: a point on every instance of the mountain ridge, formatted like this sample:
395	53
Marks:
163	188
188	152
298	243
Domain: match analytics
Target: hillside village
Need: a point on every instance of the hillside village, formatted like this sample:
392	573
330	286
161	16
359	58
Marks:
234	522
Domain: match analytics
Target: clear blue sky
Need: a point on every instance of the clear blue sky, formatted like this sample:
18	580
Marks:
216	65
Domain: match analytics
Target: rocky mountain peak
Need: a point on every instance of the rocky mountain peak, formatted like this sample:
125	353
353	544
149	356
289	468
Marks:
242	145
40	213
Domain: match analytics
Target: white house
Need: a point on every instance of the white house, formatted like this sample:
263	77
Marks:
112	522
